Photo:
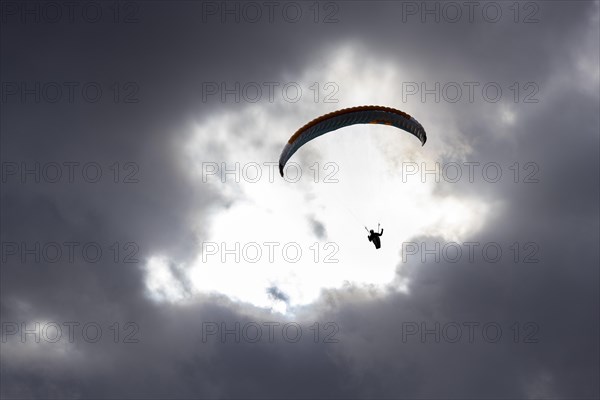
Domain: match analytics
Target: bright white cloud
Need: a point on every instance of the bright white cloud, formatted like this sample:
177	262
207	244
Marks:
367	162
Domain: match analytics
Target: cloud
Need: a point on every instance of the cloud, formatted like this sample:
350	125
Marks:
341	182
318	229
180	341
277	294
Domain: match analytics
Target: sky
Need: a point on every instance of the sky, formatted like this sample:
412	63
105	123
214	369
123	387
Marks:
150	249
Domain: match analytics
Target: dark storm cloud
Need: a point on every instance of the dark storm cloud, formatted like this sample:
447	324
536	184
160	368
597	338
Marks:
168	55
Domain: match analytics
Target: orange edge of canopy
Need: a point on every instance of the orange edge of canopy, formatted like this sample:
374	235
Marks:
345	111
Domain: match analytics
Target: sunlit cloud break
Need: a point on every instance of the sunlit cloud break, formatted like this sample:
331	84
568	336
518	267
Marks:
262	239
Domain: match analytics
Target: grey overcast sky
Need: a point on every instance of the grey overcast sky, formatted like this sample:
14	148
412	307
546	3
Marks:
150	249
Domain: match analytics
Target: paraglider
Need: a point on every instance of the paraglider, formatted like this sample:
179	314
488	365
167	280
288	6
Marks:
346	117
374	236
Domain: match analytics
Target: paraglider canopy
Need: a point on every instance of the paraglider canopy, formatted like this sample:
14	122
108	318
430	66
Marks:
346	117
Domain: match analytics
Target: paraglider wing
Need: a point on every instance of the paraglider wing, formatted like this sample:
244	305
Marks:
346	117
